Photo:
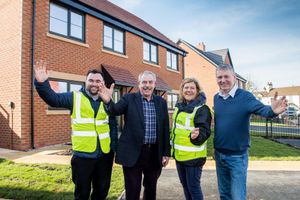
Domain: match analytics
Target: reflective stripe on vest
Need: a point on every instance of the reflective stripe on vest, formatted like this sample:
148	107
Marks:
84	133
86	129
181	147
103	136
88	120
190	149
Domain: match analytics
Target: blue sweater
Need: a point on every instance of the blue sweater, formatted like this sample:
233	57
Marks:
232	121
65	100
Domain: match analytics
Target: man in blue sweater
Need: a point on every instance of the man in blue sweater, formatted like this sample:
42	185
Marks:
233	107
94	137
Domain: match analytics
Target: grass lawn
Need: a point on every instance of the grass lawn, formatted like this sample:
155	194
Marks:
45	181
264	149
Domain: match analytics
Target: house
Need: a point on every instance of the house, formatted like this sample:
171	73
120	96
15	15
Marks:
292	94
72	37
202	64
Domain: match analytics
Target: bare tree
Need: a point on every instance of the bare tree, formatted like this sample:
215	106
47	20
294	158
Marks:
251	86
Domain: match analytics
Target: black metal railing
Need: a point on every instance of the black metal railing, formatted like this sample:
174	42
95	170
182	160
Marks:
279	127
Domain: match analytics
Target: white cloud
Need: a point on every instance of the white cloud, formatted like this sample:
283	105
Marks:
262	36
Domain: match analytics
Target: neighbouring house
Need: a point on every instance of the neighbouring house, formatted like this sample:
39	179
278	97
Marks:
72	37
202	64
292	94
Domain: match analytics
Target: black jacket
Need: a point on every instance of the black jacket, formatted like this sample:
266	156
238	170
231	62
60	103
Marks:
131	140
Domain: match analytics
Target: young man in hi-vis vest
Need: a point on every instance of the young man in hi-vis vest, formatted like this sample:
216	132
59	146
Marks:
94	133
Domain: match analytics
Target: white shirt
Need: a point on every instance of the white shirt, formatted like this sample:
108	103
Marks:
230	93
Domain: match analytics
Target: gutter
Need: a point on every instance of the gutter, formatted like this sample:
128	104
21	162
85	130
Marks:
32	70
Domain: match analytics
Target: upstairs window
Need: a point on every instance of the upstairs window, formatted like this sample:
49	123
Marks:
172	60
66	22
150	52
113	39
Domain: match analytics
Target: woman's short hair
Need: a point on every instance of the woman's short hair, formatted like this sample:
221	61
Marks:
189	80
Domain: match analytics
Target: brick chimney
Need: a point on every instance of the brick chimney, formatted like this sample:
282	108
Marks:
201	46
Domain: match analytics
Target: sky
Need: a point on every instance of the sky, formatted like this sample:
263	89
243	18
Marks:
263	36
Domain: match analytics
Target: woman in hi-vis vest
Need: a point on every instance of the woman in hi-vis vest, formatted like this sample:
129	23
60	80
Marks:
190	131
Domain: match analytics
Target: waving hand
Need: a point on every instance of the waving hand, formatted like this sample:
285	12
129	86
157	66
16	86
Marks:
40	71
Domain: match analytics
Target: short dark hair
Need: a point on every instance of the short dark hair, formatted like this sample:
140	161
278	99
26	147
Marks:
225	67
94	71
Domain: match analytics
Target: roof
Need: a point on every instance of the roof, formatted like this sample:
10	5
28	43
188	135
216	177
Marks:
218	56
283	91
117	75
123	77
240	77
215	57
161	85
198	51
130	19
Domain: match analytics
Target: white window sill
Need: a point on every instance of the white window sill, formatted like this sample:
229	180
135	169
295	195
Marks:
58	112
113	53
66	40
151	64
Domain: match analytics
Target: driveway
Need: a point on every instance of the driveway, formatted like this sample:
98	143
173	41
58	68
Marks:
262	185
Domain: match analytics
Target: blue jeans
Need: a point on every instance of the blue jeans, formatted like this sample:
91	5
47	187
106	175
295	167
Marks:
232	175
190	180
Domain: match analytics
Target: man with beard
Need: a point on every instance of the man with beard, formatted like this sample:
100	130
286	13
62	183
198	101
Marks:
94	134
143	147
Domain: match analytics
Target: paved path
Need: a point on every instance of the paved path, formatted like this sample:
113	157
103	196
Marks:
274	180
262	185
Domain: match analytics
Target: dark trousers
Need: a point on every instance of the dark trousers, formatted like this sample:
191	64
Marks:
190	180
95	172
146	165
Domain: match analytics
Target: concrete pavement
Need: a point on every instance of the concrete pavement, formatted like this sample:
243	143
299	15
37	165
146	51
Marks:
266	179
274	180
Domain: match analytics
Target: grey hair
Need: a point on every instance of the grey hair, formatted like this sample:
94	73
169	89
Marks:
225	67
146	73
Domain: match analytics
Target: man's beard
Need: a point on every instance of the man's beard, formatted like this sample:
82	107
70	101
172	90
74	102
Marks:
92	92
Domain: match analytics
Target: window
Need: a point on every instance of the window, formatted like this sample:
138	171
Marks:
172	60
61	86
113	39
150	52
66	22
172	100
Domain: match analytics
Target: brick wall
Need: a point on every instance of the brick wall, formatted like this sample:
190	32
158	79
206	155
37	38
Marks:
198	67
67	57
10	75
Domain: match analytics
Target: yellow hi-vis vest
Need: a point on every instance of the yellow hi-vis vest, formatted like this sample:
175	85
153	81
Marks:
86	129
181	147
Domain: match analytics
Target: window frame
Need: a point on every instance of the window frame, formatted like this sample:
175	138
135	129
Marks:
171	60
69	82
69	10
150	53
172	107
113	39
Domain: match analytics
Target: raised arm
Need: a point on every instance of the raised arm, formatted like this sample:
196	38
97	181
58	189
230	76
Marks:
62	100
278	105
40	71
106	93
